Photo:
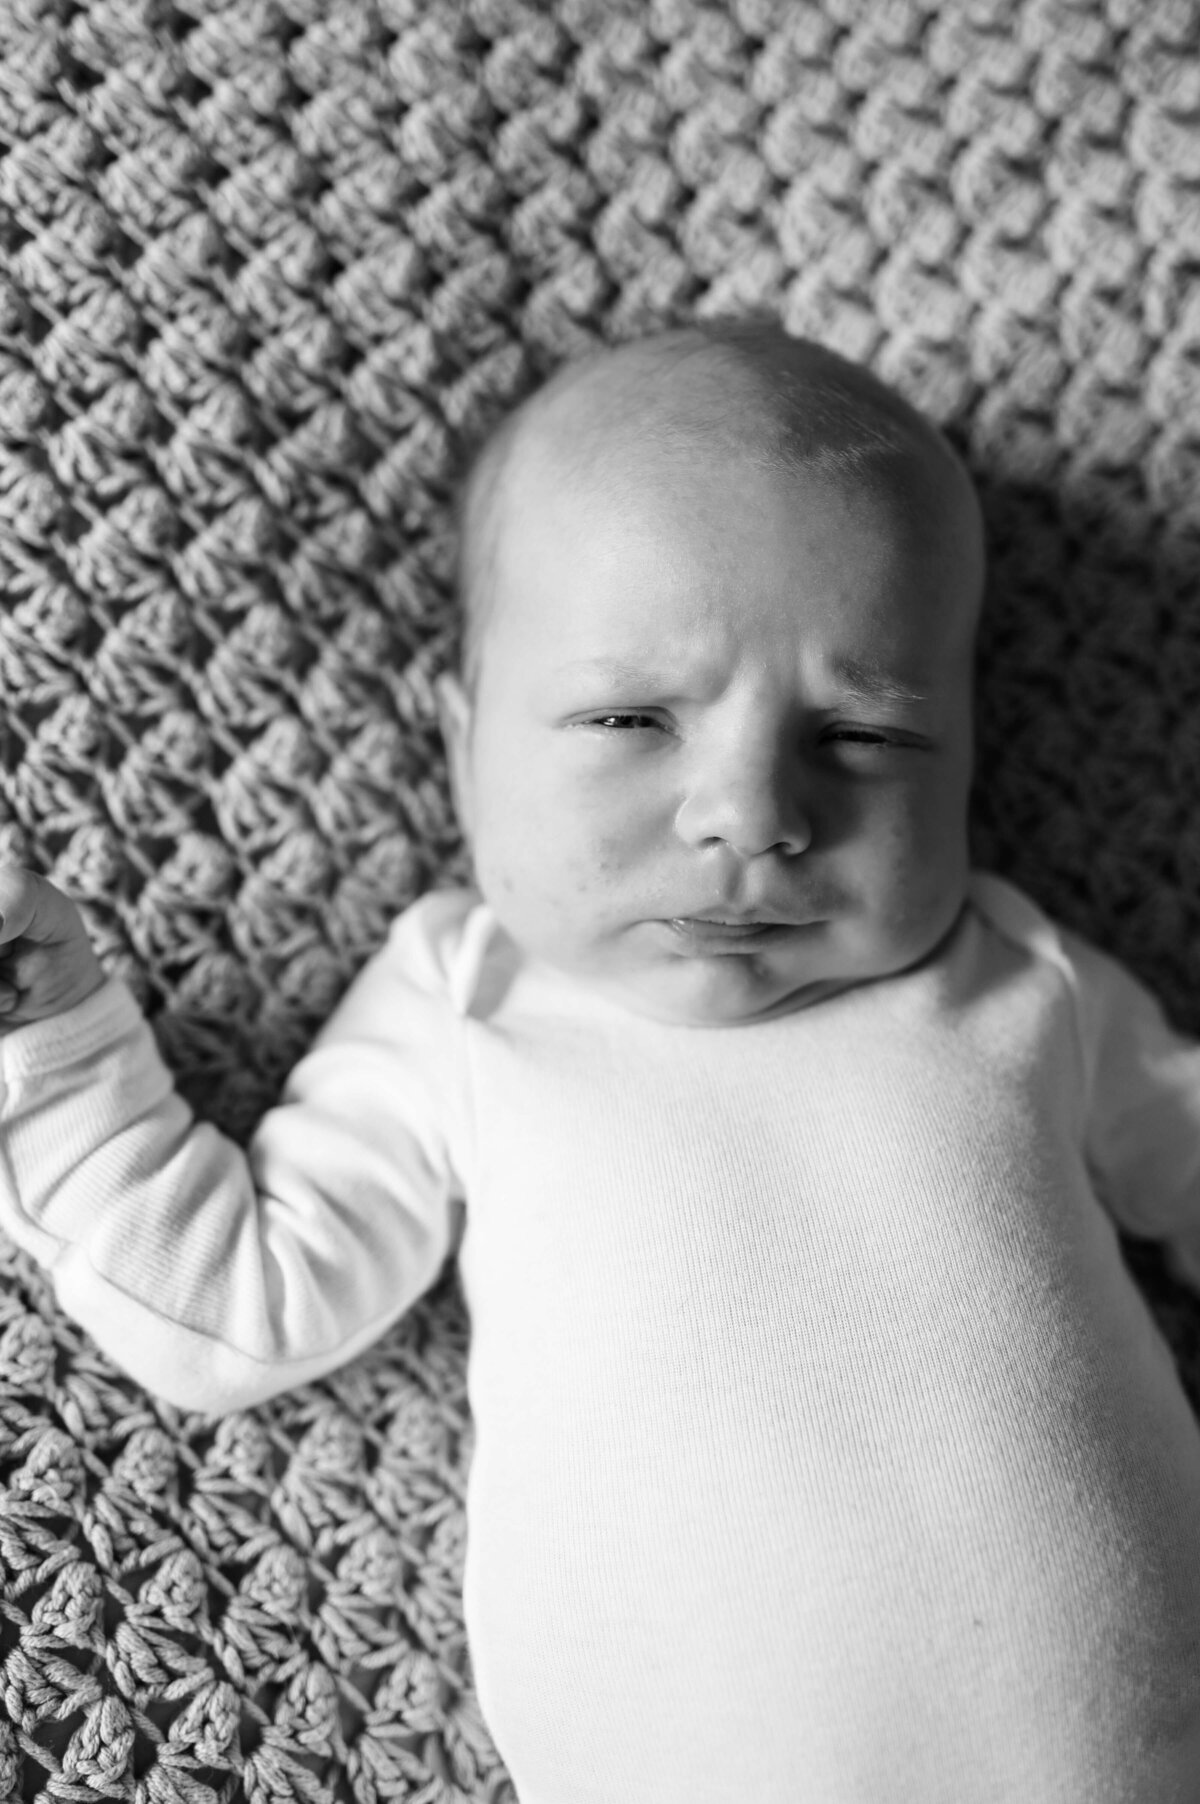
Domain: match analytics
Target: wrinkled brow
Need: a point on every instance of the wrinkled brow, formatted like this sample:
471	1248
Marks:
865	681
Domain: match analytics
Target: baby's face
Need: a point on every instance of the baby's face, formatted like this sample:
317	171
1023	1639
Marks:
726	692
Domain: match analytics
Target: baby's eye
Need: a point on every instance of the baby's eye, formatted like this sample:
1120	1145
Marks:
857	736
620	722
871	749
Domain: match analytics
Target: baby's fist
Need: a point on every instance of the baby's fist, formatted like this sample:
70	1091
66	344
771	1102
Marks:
46	960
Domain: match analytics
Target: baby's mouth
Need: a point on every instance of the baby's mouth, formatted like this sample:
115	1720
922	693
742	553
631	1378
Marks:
709	935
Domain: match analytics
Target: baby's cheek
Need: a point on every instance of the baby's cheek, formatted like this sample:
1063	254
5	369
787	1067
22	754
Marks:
508	858
615	858
929	880
493	877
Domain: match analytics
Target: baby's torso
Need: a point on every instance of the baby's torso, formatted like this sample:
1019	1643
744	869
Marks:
824	1447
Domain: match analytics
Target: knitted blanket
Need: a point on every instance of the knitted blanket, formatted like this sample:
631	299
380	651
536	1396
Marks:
267	269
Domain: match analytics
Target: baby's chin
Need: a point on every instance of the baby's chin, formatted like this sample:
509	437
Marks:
733	988
729	990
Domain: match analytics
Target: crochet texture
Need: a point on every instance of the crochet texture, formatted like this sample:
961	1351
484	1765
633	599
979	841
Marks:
267	269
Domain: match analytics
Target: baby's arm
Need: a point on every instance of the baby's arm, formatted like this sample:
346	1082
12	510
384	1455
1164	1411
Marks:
216	1277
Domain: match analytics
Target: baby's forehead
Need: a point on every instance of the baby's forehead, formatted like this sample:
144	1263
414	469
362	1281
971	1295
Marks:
622	426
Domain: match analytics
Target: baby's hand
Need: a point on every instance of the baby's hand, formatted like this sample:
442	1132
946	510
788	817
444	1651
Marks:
46	959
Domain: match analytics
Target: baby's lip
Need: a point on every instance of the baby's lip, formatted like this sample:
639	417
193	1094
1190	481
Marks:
698	933
741	917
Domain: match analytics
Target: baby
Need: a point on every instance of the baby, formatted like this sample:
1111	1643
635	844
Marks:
826	1452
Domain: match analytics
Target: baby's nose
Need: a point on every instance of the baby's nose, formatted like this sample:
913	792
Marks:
751	802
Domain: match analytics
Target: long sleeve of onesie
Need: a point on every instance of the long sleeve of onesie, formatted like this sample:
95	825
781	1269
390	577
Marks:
218	1277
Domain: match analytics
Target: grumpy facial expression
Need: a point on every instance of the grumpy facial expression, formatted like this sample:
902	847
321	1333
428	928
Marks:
720	689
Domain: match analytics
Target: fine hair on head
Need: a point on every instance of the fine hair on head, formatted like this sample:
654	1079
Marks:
740	386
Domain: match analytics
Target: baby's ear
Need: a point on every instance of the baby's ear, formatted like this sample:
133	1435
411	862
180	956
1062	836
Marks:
454	717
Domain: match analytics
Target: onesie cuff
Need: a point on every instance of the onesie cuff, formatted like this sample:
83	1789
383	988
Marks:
92	1025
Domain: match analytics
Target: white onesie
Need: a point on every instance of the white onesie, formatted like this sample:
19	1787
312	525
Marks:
826	1452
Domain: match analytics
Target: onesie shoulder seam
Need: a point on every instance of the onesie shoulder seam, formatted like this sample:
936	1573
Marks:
1019	920
441	940
431	938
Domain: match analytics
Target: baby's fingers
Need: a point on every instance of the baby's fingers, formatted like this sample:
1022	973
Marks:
47	964
32	909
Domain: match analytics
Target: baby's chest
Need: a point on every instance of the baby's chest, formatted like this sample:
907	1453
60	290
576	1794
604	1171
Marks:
835	1158
849	1193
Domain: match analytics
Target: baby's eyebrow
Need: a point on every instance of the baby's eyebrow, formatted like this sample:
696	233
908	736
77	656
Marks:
868	683
616	670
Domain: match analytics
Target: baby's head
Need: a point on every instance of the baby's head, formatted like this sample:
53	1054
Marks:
721	590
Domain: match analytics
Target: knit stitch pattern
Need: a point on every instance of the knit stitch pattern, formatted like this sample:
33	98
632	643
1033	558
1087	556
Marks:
268	268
